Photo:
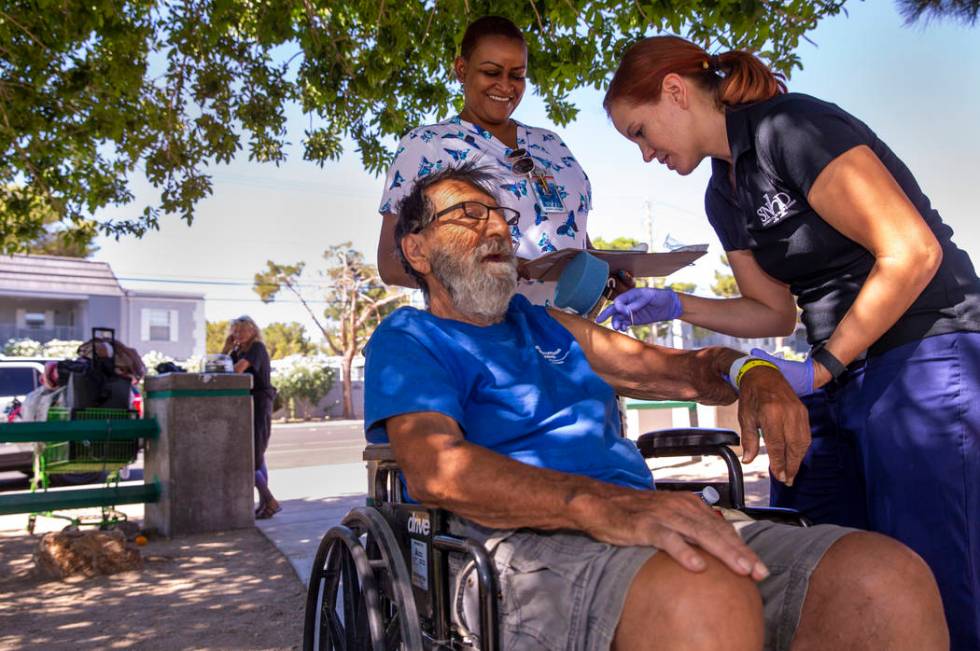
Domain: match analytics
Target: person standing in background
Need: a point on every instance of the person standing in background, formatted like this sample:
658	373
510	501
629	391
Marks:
249	354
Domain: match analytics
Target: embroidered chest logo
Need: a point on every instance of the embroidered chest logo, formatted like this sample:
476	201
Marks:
775	209
555	356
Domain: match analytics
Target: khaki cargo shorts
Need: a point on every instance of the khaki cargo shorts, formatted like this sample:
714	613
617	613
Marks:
563	591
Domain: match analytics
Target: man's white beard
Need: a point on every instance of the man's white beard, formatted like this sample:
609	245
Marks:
478	289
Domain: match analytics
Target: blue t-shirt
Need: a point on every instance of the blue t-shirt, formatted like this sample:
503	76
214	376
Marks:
522	388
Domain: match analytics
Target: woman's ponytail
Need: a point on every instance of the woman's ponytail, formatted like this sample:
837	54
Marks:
746	79
735	77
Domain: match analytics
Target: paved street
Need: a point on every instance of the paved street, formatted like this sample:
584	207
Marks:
315	444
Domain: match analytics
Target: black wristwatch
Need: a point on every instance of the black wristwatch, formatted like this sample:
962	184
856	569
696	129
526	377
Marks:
826	358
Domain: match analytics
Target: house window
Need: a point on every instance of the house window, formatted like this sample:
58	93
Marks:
159	325
35	320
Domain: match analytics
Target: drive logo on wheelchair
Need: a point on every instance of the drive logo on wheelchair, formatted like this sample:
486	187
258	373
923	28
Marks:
419	524
417	529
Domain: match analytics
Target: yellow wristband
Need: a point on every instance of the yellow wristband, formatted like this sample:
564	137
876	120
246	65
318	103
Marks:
750	364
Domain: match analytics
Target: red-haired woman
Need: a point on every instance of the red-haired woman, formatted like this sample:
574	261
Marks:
815	210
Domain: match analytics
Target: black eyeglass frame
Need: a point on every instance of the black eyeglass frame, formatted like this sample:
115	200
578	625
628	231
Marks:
509	215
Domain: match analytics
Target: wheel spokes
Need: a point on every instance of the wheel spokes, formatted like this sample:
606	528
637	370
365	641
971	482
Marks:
358	585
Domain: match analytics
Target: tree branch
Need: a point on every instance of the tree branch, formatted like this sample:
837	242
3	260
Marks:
373	307
538	16
642	13
23	29
429	23
337	349
306	306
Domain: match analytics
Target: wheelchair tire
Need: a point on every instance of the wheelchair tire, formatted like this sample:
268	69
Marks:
399	615
341	571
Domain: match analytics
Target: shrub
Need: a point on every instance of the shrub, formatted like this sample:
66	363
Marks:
302	378
62	349
152	359
23	348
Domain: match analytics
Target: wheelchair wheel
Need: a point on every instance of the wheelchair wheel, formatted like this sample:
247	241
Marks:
402	628
342	608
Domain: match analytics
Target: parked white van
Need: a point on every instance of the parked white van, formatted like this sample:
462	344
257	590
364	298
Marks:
18	377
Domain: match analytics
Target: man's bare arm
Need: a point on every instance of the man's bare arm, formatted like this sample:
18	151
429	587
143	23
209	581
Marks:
639	370
650	372
443	470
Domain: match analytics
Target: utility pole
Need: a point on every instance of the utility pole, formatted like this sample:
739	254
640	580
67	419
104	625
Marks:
648	222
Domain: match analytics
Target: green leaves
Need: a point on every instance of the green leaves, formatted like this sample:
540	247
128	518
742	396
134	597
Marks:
94	93
269	283
285	339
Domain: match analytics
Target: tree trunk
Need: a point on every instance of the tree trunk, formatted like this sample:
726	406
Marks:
348	390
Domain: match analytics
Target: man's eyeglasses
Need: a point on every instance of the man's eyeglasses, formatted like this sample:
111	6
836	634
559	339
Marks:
481	211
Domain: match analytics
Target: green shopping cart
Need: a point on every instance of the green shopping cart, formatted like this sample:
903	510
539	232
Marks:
102	455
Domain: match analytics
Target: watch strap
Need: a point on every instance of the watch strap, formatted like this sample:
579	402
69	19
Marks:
828	361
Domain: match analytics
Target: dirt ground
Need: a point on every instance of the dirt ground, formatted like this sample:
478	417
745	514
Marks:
230	590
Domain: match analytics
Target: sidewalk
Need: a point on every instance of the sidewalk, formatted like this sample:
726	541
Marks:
313	499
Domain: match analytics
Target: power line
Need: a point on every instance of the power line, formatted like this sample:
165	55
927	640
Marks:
226	283
104	279
210	280
278	301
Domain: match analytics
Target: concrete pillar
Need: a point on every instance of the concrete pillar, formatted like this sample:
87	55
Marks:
203	458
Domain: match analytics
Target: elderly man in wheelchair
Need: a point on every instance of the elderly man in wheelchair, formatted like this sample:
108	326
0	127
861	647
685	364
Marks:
510	512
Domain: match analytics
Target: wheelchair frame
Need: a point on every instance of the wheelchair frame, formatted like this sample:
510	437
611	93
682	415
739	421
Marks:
381	580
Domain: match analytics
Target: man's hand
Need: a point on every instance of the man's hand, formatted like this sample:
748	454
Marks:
674	522
767	403
443	470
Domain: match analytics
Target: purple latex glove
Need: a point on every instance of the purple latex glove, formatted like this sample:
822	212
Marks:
642	305
799	375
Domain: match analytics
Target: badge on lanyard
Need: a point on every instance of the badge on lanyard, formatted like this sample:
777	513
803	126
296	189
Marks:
547	192
545	189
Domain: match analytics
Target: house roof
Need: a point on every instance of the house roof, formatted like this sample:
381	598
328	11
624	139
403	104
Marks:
153	293
40	275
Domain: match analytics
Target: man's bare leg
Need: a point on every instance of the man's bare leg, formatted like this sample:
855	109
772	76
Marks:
870	592
671	608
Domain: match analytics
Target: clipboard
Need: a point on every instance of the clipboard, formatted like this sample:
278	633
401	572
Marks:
637	263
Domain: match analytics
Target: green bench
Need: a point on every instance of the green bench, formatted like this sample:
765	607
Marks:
78	430
692	407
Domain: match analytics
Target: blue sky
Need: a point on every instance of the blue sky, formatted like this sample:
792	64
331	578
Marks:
917	87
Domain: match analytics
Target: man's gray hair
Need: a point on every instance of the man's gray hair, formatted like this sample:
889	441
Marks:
416	211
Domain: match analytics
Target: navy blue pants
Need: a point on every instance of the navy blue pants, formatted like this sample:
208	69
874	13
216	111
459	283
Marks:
896	449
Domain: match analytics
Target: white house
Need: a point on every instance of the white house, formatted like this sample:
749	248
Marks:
50	297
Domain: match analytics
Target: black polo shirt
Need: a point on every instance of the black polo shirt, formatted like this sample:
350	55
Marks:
779	147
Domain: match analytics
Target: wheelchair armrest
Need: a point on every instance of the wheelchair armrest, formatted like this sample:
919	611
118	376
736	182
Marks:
694	441
684	440
777	514
378	452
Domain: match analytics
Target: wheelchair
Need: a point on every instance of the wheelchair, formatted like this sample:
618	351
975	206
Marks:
381	579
